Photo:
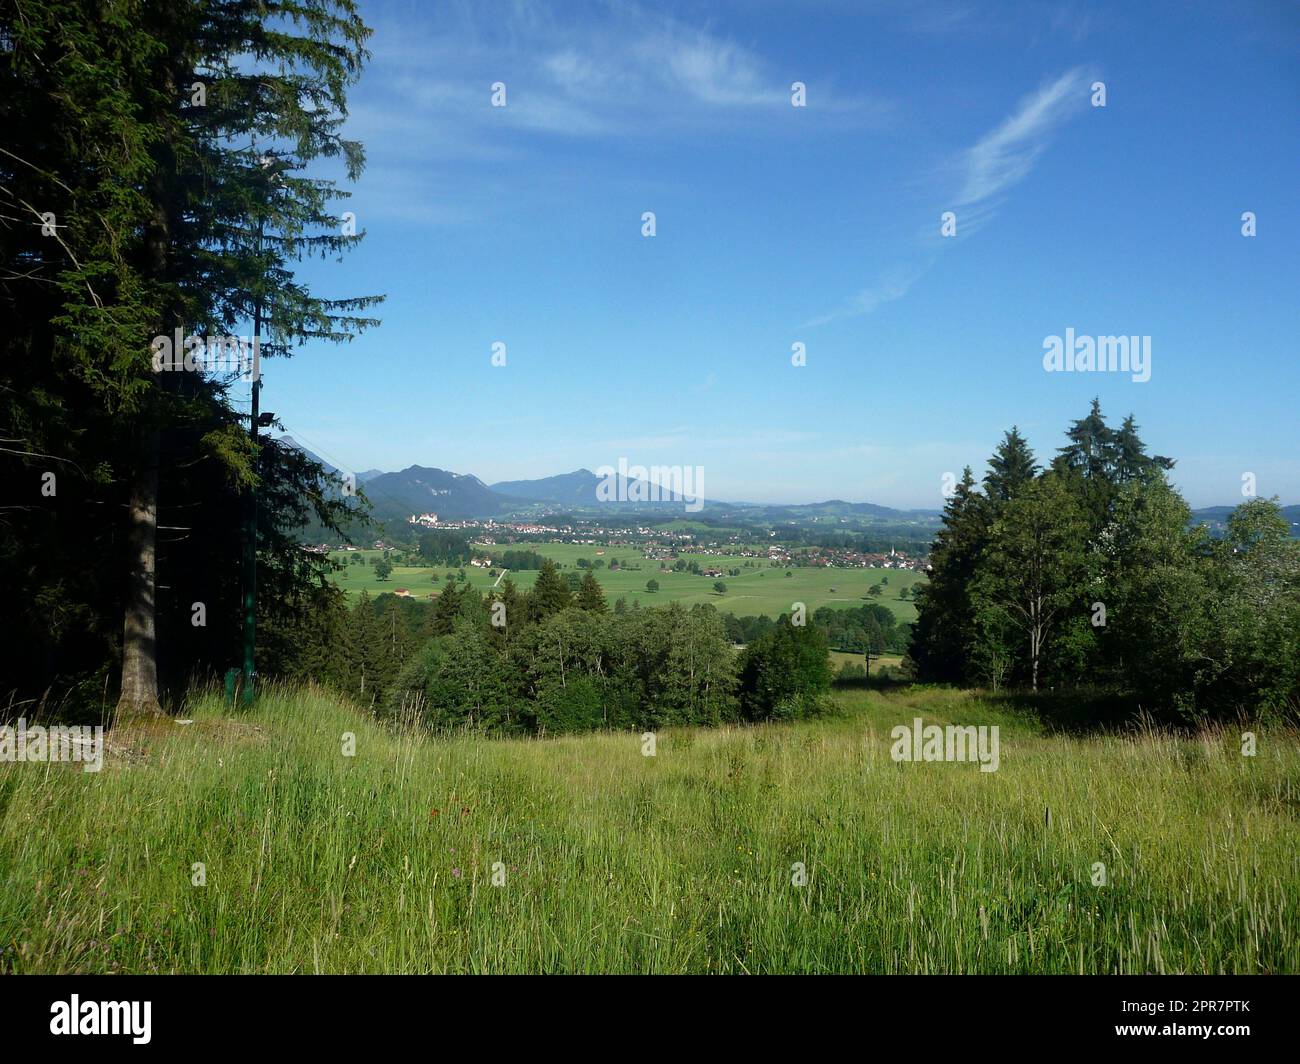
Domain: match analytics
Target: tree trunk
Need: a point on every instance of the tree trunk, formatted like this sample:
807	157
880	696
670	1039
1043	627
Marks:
139	695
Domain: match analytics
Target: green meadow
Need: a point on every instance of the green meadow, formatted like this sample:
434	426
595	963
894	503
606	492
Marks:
758	591
840	658
250	843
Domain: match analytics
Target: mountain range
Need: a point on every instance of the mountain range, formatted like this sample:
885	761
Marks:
417	489
463	496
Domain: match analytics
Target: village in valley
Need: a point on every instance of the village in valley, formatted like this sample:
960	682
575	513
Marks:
648	541
639	559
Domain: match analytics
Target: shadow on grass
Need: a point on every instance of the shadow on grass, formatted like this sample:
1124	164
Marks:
884	681
1076	711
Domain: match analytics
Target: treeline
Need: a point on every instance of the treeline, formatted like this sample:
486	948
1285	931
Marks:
517	560
444	546
877	541
549	661
452	547
857	629
1091	573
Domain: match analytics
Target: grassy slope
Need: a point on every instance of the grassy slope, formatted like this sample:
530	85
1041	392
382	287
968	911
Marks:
756	591
676	863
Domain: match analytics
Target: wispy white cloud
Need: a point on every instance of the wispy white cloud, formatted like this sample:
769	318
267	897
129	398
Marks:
712	71
1005	156
621	71
987	171
632	71
890	286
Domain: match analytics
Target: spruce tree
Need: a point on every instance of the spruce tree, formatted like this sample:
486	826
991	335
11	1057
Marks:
239	98
945	614
1086	466
590	595
1090	452
515	611
76	313
447	608
1131	461
1011	467
549	594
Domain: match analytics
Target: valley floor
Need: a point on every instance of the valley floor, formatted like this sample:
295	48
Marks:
781	848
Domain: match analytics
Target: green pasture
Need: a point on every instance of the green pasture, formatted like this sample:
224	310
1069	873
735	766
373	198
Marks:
759	590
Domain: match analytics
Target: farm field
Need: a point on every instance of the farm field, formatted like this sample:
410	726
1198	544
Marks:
606	860
757	591
840	658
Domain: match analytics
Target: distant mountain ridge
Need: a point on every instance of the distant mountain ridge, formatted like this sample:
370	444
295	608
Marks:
422	489
463	496
576	488
1217	516
580	488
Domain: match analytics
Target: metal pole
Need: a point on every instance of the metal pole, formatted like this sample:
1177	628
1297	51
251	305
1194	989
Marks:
250	527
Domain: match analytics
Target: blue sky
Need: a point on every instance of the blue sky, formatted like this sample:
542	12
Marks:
817	225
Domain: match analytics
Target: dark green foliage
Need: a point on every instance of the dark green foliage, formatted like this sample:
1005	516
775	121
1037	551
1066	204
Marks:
1011	467
1034	572
447	608
164	217
785	673
549	594
861	629
517	560
1092	576
443	546
945	622
574	670
590	595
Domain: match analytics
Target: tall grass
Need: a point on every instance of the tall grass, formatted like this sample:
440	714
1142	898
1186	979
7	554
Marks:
618	862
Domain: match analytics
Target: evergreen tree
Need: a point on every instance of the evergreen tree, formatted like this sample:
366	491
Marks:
590	595
1011	467
1087	465
1091	450
550	594
447	609
785	672
364	652
945	615
76	314
1131	461
515	608
240	99
165	143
